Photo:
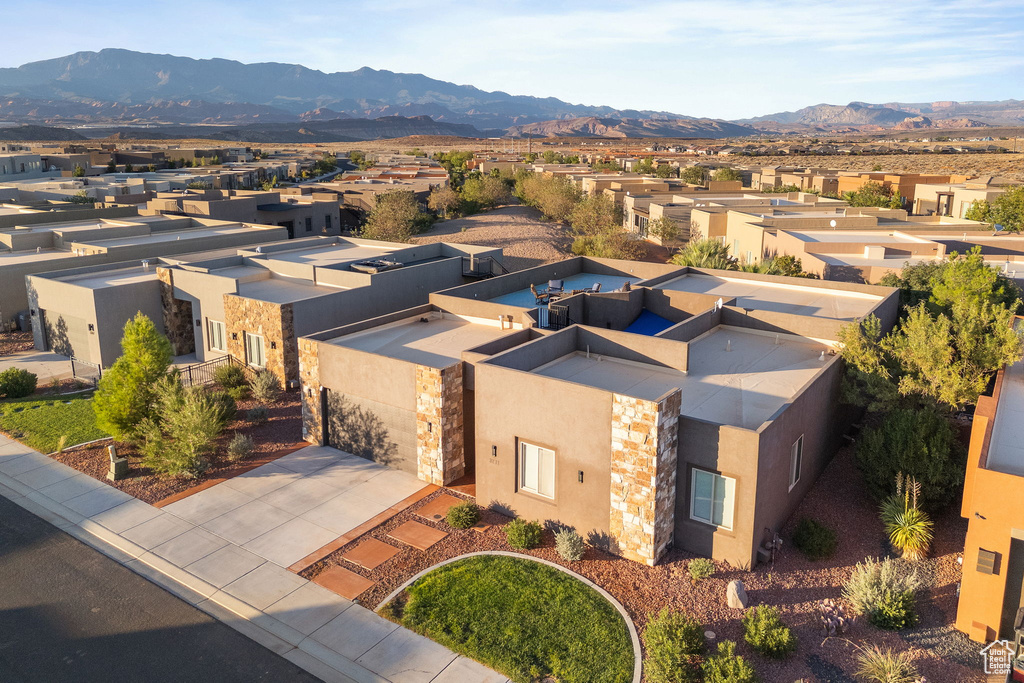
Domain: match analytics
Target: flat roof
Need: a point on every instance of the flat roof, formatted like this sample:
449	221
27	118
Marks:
896	262
1006	450
280	289
166	236
438	343
868	236
28	256
524	297
111	278
342	252
737	377
781	298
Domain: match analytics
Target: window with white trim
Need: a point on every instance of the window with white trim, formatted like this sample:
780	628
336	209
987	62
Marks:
536	470
215	335
796	461
254	354
712	498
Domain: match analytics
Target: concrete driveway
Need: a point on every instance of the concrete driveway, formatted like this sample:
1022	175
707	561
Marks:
286	509
44	364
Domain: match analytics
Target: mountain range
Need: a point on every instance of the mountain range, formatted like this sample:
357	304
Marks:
114	90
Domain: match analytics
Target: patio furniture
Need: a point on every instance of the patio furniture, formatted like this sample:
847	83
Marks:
555	287
596	288
540	297
372	266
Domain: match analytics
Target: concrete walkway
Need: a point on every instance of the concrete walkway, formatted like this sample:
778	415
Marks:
44	364
331	637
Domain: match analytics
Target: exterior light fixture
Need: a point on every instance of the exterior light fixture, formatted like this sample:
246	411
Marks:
580	474
430	427
198	322
92	328
494	451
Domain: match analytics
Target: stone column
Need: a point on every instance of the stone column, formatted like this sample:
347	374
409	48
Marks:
643	475
309	388
440	452
178	323
273	322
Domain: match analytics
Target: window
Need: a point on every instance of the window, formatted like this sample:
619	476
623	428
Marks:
254	351
796	461
712	498
327	221
309	224
735	246
750	256
536	470
215	330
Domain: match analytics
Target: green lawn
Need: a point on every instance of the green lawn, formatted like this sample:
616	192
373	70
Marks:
523	619
40	422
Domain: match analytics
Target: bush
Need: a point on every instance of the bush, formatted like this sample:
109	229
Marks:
240	447
226	403
883	591
908	527
570	545
265	386
17	383
522	535
463	515
229	376
675	644
239	393
257	415
764	631
725	666
815	540
919	443
886	666
700	569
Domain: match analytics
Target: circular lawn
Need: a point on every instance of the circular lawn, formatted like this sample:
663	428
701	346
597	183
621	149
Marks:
522	618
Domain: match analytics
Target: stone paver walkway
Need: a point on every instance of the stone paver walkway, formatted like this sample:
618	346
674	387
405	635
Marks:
225	569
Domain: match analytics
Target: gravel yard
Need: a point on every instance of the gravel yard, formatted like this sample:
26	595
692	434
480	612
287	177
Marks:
14	342
1006	165
794	584
525	238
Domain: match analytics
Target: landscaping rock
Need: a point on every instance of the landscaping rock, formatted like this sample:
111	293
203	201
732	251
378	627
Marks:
736	595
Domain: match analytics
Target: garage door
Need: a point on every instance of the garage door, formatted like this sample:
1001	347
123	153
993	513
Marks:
67	335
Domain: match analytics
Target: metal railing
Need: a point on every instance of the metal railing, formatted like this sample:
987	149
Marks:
199	374
85	371
482	267
558	317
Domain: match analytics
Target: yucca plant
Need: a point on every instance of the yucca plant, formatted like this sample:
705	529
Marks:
909	528
885	666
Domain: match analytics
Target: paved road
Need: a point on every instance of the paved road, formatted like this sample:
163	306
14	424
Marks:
69	613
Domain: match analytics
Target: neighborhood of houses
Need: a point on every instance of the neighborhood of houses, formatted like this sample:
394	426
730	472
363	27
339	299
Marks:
647	405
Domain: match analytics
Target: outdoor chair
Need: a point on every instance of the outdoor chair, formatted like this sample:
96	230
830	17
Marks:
596	288
555	287
539	297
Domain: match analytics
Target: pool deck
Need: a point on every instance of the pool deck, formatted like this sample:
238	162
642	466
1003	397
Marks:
524	297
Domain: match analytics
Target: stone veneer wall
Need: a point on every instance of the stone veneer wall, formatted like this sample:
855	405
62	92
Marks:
643	475
309	379
440	451
274	322
178	325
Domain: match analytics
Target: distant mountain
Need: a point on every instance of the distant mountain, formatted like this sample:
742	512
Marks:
632	128
129	78
895	115
39	133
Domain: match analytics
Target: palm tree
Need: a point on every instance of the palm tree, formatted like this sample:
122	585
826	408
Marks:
706	253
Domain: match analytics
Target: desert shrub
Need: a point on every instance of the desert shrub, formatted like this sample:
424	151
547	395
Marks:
126	393
886	666
570	545
675	645
700	568
54	386
265	386
764	631
919	443
239	393
883	591
229	376
908	527
257	415
463	515
17	383
725	666
815	540
182	431
240	447
522	534
226	402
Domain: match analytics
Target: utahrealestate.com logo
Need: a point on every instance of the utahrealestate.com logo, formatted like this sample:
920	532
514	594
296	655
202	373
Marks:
998	657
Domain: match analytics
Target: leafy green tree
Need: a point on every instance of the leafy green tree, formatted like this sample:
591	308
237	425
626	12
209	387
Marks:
530	157
705	253
1006	210
556	197
268	185
785	264
572	159
727	174
124	396
605	166
666	171
644	167
444	200
111	166
485	192
694	175
396	217
596	223
81	197
896	201
664	228
979	210
550	156
78	172
870	194
128	168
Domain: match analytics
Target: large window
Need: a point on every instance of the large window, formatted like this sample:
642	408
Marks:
712	498
254	355
215	334
796	461
536	470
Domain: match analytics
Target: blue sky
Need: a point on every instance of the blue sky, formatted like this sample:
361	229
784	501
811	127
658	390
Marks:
719	58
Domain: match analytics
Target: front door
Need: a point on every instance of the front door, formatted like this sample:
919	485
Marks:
1013	598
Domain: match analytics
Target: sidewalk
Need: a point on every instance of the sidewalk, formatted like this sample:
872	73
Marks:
329	636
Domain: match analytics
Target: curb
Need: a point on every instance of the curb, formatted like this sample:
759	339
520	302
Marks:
634	636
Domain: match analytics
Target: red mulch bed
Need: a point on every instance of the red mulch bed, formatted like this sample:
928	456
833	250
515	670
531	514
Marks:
282	430
14	342
794	584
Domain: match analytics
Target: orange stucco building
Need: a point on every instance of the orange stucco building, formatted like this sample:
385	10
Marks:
993	570
905	183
